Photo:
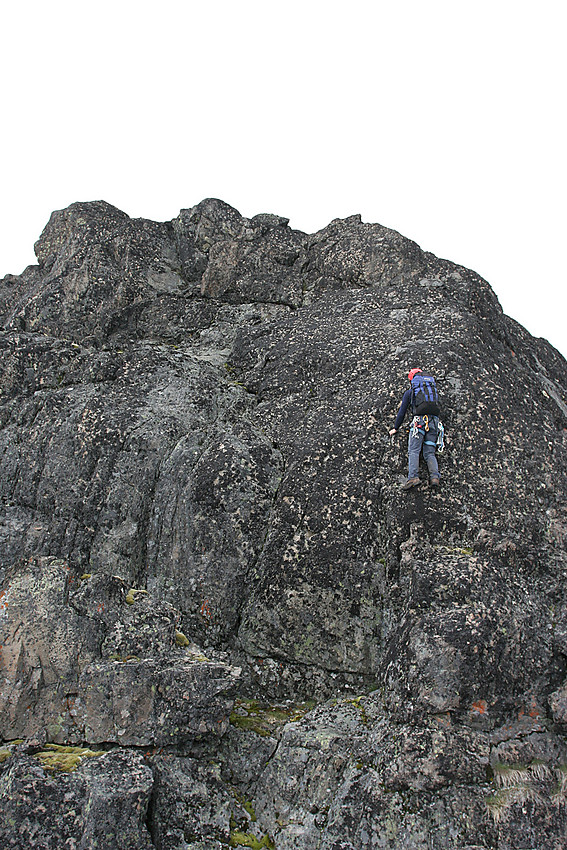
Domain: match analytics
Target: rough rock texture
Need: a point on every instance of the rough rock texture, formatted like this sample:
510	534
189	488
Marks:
101	803
221	621
101	664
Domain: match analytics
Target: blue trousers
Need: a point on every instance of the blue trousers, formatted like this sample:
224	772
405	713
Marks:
420	438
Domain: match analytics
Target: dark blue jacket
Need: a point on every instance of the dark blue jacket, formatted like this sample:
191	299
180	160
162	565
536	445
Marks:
403	408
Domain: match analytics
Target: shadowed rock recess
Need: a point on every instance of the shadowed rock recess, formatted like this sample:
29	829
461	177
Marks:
221	621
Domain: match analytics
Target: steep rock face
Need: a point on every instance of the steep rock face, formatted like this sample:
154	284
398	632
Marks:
98	662
200	503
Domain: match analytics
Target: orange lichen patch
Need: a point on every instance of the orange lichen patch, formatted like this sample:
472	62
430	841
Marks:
70	705
153	751
3	602
532	710
479	707
205	610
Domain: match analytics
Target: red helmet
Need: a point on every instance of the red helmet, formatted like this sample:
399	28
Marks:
412	373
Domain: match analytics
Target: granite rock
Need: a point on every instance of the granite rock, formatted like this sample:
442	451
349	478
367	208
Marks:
103	802
210	580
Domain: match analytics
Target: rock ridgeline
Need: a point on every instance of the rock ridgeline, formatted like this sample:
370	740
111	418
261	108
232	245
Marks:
221	621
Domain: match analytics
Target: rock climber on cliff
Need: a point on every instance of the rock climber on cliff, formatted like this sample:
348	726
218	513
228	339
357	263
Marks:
426	431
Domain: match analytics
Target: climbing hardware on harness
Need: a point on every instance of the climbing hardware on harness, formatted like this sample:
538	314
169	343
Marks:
440	437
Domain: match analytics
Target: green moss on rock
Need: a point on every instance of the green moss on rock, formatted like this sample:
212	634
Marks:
181	639
56	757
264	719
247	839
132	593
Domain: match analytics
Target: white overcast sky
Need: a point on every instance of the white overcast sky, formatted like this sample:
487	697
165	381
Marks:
442	119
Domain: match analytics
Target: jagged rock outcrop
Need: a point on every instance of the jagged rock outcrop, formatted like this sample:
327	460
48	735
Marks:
215	601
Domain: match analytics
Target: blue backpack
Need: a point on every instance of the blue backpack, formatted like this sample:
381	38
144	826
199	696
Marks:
424	397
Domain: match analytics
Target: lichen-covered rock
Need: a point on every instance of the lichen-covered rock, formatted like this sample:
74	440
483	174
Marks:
201	529
161	467
101	273
322	376
350	253
150	702
190	804
466	638
44	645
101	663
263	263
102	803
345	776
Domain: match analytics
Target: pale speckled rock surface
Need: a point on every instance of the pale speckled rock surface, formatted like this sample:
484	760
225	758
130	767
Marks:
199	503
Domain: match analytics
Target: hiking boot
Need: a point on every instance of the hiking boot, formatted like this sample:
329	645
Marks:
410	483
434	482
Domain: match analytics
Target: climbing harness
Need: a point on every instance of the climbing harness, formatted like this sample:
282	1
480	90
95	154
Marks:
416	428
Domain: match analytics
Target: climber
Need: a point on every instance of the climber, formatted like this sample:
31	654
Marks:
425	430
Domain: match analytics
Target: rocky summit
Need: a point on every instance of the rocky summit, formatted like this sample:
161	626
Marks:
222	622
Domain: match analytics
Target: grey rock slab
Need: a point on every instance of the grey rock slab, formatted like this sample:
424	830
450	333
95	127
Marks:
103	803
150	702
191	807
44	644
